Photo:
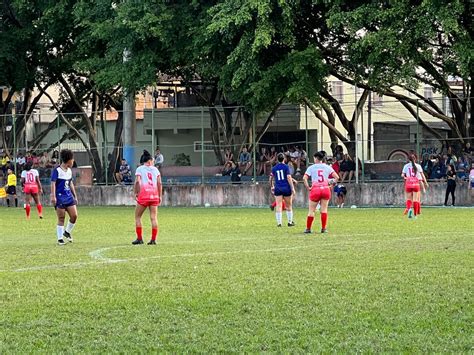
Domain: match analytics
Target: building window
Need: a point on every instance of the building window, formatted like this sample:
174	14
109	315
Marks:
337	90
377	100
208	146
428	93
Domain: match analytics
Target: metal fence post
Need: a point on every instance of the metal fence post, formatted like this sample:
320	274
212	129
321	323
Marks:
306	132
254	156
59	131
417	128
153	129
202	145
14	142
106	148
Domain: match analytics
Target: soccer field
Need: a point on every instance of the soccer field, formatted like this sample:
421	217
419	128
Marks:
228	280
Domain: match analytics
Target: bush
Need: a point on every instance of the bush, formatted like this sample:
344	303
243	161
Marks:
182	159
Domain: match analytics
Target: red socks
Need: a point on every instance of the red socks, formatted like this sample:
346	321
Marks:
416	208
40	209
154	233
138	230
309	222
408	204
324	220
28	209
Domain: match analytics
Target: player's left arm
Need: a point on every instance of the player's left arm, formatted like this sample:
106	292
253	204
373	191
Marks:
40	187
136	186
159	186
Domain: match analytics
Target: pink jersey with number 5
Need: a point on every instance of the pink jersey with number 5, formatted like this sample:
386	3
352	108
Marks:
30	177
148	184
319	174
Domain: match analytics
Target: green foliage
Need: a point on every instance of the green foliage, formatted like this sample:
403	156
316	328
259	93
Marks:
227	280
182	159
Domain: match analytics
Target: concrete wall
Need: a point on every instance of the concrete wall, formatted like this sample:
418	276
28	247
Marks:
373	194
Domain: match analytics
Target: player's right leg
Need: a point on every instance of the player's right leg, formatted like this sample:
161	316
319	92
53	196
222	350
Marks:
139	209
324	215
39	207
288	200
61	213
27	205
309	220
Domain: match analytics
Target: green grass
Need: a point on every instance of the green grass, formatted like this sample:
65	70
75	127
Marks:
227	280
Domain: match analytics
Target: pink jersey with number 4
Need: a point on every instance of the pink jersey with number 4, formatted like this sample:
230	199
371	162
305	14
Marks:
412	178
319	174
148	184
30	177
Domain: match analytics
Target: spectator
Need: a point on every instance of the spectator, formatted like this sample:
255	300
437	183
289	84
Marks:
471	179
244	161
451	184
235	174
439	169
347	168
462	167
228	156
44	160
451	158
468	149
124	175
339	154
55	158
340	191
5	163
295	158
272	155
159	159
20	162
303	155
427	166
262	161
227	168
29	158
35	160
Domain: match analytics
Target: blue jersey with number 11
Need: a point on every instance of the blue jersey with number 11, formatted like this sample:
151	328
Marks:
280	173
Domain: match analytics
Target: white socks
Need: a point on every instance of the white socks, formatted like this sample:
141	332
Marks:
278	217
59	232
289	215
70	227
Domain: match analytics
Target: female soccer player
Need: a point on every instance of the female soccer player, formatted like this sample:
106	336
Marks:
31	188
63	196
282	187
148	192
412	173
319	191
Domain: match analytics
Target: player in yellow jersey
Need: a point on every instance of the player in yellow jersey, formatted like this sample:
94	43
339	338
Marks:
11	187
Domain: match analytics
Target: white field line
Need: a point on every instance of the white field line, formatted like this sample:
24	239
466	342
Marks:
100	259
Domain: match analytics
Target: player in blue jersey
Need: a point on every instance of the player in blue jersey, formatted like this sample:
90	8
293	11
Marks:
282	187
63	196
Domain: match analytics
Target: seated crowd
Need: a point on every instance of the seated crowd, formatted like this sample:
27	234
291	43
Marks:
435	167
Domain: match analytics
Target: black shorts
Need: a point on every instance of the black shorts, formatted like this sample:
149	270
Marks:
11	190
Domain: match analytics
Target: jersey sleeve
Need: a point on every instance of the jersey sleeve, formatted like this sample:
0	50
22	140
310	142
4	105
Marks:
23	174
405	170
138	172
54	175
287	171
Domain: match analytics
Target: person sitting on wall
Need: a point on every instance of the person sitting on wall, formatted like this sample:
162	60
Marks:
245	162
124	175
159	159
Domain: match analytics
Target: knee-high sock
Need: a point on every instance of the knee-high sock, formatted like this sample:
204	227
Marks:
416	206
408	204
309	222
289	215
324	220
40	209
154	233
139	231
27	209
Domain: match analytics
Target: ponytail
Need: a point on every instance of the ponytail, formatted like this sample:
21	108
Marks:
413	161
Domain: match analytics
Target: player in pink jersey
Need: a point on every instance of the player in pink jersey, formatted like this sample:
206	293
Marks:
319	191
148	192
413	175
31	188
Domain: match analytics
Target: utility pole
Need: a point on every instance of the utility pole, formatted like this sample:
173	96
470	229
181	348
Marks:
129	122
369	127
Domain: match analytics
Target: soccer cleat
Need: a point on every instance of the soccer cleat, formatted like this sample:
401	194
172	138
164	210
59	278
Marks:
151	242
410	213
41	217
61	242
278	225
137	242
307	231
68	236
324	230
272	207
292	224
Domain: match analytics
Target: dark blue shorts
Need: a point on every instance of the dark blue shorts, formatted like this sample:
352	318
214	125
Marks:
282	192
63	204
